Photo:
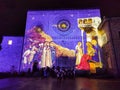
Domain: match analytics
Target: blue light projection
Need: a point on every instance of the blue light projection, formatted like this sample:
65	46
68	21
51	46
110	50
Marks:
11	52
57	34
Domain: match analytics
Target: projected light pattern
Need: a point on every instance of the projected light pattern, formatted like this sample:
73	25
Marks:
63	25
56	38
10	54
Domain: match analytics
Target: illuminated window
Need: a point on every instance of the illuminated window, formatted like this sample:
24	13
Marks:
9	42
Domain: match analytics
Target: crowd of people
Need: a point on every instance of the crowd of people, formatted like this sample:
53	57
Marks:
54	72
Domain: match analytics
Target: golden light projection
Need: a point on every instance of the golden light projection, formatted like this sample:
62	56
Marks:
90	26
94	37
102	38
59	49
63	25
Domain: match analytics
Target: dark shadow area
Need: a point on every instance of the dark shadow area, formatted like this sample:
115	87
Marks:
1	38
60	73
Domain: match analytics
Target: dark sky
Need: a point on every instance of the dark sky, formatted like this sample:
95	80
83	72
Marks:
13	12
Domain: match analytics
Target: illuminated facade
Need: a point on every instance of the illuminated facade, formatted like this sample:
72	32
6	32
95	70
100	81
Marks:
65	38
11	53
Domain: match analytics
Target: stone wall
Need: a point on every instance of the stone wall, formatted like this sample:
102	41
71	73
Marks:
115	29
111	51
10	54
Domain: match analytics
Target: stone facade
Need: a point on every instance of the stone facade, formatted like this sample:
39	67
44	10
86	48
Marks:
111	51
11	53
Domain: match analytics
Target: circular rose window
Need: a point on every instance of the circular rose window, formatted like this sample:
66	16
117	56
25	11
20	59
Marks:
63	25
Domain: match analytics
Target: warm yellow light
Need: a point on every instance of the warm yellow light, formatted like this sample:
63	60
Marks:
102	38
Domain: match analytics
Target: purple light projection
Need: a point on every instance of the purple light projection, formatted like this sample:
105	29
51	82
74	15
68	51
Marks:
10	54
61	27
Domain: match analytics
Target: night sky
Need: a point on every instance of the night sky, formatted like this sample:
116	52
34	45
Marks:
13	12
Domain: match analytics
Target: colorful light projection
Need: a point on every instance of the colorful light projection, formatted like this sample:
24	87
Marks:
52	36
89	26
